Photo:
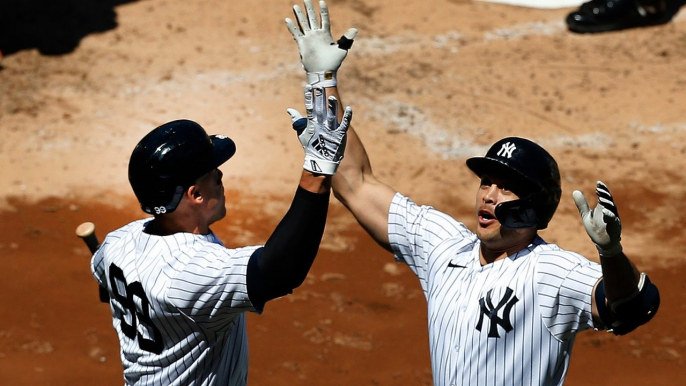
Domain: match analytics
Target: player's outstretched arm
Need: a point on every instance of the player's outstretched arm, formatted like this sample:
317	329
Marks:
354	184
624	298
367	198
282	265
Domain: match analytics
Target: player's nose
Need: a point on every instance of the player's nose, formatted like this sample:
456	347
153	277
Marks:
491	194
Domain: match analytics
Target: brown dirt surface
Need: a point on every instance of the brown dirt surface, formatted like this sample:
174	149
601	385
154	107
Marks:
431	82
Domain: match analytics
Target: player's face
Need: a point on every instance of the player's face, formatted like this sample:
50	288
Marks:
212	189
494	190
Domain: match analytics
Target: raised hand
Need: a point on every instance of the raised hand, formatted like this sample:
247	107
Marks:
322	137
602	223
320	55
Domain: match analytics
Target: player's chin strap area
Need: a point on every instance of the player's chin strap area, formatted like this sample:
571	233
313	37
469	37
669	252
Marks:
518	214
625	315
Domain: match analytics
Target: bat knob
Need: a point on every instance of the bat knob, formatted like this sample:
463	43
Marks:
86	229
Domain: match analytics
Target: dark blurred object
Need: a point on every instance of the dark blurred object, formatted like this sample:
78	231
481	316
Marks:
613	15
54	27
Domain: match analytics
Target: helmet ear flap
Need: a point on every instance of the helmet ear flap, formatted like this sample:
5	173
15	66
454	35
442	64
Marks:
517	214
532	211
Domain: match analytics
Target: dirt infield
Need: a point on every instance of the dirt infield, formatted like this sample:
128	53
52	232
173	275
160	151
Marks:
431	82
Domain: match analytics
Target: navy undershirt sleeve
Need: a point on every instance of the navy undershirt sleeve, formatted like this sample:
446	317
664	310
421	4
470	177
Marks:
284	261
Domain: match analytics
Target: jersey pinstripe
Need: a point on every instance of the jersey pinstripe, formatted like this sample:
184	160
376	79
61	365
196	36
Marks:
178	304
511	322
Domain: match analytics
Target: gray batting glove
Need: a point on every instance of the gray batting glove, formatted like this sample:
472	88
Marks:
320	55
322	137
602	223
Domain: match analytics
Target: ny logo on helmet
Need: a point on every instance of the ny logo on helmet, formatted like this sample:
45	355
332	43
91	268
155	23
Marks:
507	149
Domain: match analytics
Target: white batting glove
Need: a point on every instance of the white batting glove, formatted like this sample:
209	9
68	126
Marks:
320	55
602	223
321	136
304	126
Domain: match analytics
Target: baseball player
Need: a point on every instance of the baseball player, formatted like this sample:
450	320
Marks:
504	306
178	296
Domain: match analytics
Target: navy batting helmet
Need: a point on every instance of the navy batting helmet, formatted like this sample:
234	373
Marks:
171	158
530	165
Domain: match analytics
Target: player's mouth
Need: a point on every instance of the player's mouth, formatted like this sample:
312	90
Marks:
486	217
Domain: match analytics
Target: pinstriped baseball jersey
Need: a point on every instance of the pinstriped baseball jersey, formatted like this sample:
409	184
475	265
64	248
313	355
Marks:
511	322
178	305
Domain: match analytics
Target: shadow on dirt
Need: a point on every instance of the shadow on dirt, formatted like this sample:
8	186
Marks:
54	27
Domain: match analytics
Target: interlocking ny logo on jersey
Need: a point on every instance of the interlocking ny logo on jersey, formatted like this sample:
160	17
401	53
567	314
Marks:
507	149
487	309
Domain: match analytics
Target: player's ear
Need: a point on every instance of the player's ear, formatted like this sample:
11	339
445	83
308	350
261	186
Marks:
194	194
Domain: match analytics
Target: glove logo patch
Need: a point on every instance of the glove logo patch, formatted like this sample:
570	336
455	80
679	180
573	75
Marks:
507	149
315	167
319	145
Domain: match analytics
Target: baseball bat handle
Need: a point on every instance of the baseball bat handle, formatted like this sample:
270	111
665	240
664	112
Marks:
86	232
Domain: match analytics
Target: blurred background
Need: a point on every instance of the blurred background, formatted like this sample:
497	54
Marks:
431	82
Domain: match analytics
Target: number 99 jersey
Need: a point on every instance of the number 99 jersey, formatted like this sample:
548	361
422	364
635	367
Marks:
178	305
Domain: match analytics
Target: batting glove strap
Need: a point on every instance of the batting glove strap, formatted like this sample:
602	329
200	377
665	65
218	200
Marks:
322	79
317	165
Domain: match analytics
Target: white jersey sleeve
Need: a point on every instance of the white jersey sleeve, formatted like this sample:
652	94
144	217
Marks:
113	240
97	264
565	282
211	288
414	232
